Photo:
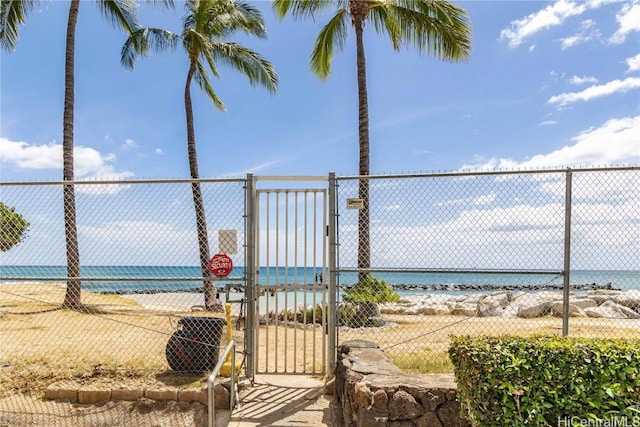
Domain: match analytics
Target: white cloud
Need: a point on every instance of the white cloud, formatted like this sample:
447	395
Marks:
489	238
615	86
588	31
614	142
137	233
577	80
28	156
633	63
159	152
628	20
254	169
486	199
129	143
548	123
89	163
552	15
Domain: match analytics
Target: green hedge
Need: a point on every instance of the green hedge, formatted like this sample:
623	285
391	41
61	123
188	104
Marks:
547	380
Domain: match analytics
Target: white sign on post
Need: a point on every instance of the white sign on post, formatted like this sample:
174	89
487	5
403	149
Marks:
228	242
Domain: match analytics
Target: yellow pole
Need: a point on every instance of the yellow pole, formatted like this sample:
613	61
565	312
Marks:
227	310
225	371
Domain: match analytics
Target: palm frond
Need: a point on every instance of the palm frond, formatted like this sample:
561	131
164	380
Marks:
248	19
143	40
12	15
121	13
202	79
208	58
383	22
224	18
436	27
257	69
196	44
303	8
333	34
165	3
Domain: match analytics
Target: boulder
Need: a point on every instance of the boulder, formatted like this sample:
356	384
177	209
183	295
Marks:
629	299
532	305
494	304
392	309
464	309
380	400
574	311
403	406
362	395
415	309
611	310
435	310
601	296
583	302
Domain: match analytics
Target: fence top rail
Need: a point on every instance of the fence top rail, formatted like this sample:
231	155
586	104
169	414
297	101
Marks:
296	178
480	173
450	271
126	182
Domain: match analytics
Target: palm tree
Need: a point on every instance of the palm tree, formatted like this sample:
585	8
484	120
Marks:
121	13
206	25
433	26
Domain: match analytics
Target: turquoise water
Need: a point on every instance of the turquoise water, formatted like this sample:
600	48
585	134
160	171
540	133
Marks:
122	279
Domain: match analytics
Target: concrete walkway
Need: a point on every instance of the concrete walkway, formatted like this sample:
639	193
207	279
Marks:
283	400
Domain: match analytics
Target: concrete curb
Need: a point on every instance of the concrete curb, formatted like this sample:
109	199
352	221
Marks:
88	394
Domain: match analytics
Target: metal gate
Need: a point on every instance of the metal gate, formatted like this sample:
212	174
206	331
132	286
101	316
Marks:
291	276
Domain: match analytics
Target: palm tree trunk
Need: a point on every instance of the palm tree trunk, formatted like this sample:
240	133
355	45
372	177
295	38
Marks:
210	298
364	249
72	296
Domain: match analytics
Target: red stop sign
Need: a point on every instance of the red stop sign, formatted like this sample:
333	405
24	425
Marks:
220	265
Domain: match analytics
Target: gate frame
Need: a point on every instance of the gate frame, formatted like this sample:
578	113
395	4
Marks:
252	266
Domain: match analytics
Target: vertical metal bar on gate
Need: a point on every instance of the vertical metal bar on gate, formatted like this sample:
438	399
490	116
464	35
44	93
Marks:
567	253
249	268
333	308
279	247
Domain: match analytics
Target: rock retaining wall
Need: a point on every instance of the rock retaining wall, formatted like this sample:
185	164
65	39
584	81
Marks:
372	392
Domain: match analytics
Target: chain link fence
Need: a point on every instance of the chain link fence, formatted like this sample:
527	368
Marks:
459	253
141	316
489	253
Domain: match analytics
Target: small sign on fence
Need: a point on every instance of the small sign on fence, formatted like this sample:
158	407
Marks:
355	204
228	242
220	265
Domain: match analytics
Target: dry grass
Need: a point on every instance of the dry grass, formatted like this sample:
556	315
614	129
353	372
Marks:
420	343
121	340
111	340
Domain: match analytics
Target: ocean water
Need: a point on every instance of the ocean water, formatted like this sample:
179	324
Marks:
143	279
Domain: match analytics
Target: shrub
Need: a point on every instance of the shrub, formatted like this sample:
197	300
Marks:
371	289
311	314
538	381
12	227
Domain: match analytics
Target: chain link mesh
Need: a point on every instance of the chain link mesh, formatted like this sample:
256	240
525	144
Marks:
141	308
474	253
485	254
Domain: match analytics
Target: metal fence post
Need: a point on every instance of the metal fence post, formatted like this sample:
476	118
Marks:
567	254
333	308
250	321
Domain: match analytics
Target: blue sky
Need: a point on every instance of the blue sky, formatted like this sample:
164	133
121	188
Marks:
547	84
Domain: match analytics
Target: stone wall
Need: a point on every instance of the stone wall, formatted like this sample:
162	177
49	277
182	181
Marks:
371	391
